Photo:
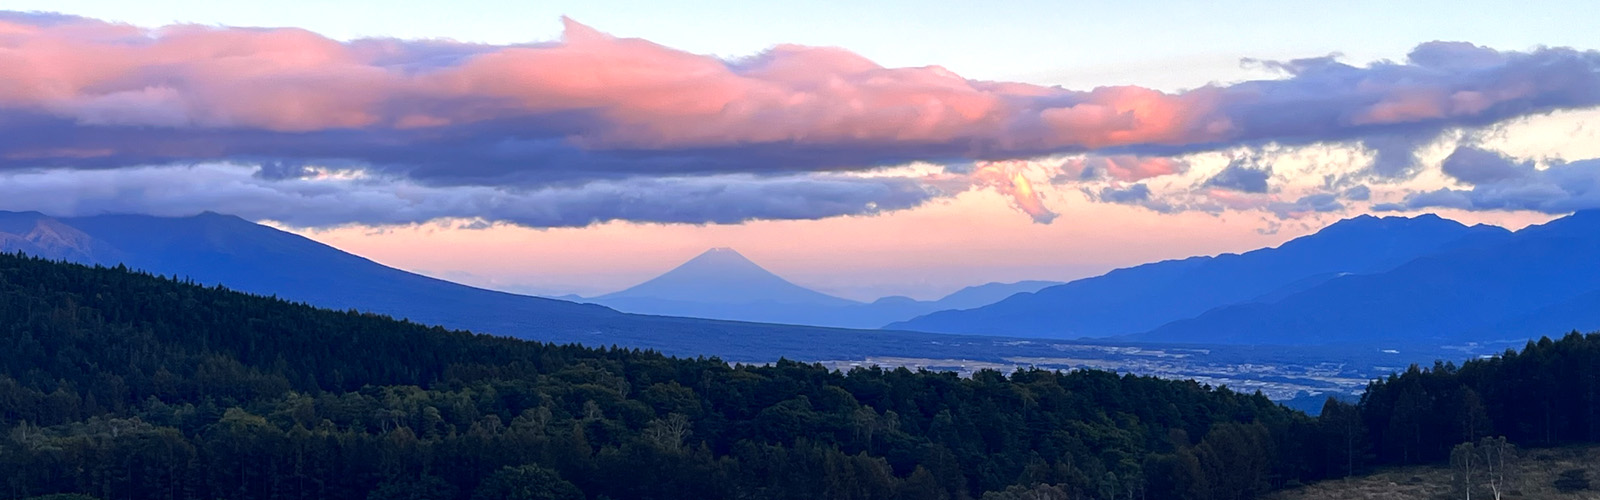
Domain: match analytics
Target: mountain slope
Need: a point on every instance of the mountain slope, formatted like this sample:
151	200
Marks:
1144	297
723	284
35	234
1579	313
989	293
126	386
1464	293
221	249
724	276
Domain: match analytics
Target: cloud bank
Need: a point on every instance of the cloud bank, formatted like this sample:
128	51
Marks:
1499	182
592	117
329	198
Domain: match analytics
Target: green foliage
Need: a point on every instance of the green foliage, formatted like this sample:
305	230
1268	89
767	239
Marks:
527	482
1546	395
419	488
123	385
1035	492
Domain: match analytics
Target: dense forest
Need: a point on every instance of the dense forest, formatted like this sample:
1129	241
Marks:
120	385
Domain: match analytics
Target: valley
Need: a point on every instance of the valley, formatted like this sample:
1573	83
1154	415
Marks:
1281	373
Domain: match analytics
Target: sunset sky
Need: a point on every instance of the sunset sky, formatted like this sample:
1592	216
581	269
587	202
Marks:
860	148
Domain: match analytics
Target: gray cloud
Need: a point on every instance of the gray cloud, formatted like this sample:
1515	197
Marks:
1395	155
1317	202
1358	193
1503	183
282	170
1243	176
337	198
1140	195
1135	194
1479	166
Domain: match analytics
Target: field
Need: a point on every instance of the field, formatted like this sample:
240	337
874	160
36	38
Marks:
1537	472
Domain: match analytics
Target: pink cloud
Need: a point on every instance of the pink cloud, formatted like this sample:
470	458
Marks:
81	93
646	96
1008	178
180	76
1125	168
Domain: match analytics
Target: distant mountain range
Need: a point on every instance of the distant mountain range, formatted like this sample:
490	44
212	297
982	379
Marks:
722	284
1141	298
218	249
1365	279
221	249
1541	280
1423	280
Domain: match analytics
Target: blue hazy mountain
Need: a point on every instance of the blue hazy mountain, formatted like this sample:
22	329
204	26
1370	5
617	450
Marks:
1145	297
724	276
1538	281
222	249
35	234
985	294
723	284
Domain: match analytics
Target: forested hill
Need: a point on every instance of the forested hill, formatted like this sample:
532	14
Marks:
120	385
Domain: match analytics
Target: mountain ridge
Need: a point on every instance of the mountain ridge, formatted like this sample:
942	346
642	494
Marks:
216	249
35	233
1139	298
1466	292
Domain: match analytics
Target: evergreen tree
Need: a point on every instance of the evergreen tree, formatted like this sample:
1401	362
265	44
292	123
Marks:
526	482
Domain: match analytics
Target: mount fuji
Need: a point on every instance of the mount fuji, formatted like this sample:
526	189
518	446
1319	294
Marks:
721	283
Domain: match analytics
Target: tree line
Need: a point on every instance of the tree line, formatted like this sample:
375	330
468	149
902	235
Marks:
120	385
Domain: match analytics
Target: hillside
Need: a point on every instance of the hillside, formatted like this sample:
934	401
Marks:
1539	277
35	234
216	249
221	249
122	385
1145	297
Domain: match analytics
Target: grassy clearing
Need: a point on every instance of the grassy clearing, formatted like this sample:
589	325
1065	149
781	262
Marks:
1537	472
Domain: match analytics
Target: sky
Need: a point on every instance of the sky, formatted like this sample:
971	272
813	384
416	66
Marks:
860	148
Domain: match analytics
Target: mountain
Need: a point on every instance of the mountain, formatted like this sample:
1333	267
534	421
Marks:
1579	313
215	249
35	234
1141	298
723	276
722	284
1543	277
985	294
222	249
